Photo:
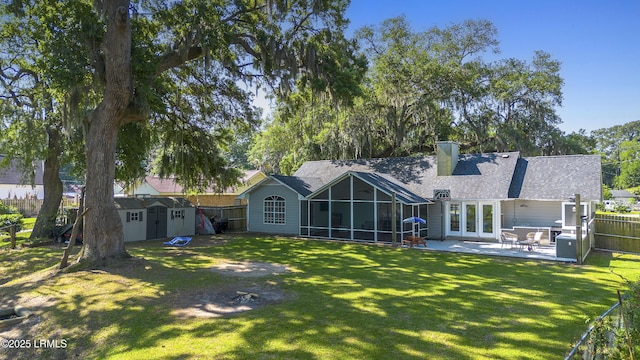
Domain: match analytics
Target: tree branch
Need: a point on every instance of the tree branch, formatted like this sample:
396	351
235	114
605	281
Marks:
177	57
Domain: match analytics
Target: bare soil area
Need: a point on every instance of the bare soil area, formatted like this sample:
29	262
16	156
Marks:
242	296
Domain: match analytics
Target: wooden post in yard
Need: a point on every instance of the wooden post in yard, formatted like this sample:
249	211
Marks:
12	235
394	235
72	239
578	229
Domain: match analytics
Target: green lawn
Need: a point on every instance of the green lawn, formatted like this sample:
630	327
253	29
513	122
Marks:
22	237
342	301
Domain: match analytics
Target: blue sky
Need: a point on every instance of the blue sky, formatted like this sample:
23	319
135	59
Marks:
597	43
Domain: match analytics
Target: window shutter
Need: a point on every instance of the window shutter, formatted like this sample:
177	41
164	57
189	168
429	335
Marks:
140	216
128	216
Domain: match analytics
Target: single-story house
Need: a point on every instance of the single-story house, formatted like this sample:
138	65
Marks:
473	196
624	197
12	185
157	186
155	217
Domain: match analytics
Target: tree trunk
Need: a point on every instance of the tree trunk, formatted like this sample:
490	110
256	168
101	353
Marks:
46	219
103	238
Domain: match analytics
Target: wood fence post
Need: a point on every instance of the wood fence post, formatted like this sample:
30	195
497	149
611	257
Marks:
12	235
72	239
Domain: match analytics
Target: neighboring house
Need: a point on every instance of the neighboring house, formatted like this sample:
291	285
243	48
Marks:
155	217
156	186
12	185
467	196
624	197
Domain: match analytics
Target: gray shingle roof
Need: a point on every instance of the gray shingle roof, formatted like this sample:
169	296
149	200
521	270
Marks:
302	185
558	177
478	176
623	194
123	203
492	176
141	203
13	176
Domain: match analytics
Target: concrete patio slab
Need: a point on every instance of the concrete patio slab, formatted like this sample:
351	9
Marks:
493	249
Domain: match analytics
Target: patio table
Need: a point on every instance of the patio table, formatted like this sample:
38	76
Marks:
528	243
413	240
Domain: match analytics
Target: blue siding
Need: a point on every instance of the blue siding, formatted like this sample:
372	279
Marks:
256	204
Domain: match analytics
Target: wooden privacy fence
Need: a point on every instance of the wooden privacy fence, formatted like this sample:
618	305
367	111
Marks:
30	207
234	216
618	232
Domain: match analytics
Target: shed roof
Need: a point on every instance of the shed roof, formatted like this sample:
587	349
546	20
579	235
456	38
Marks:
125	203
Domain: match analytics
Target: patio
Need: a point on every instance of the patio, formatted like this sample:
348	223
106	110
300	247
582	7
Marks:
493	249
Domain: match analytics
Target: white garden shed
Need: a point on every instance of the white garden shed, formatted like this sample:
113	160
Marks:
155	217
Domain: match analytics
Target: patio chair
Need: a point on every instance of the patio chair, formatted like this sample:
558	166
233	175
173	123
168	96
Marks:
508	238
534	238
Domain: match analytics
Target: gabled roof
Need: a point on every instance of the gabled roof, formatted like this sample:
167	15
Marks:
390	185
13	176
302	185
170	186
489	176
123	203
170	202
557	177
623	194
477	176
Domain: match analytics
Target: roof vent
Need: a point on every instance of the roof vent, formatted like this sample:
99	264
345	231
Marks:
505	156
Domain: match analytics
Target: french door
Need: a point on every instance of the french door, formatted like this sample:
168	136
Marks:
472	219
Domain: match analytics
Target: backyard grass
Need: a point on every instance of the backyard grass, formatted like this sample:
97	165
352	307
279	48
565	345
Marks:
22	237
339	301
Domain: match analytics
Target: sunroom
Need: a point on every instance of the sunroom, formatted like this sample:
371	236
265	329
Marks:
359	206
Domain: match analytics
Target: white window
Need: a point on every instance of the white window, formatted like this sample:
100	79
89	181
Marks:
274	210
134	216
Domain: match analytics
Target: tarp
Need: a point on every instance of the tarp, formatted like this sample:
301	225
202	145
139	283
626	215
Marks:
203	224
178	241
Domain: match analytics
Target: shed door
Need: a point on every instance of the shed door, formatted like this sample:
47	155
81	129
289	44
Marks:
156	222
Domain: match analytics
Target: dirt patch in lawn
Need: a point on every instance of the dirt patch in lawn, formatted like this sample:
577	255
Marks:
218	302
244	295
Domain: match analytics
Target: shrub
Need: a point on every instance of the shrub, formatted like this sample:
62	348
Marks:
621	208
10	216
6	209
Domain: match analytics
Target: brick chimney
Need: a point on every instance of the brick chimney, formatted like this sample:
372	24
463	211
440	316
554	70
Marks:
447	157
